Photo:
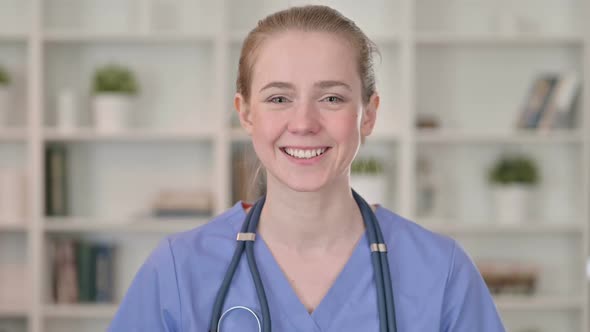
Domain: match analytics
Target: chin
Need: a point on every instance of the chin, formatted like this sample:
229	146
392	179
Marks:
303	187
309	184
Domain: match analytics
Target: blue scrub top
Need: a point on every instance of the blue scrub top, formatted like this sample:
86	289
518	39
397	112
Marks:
436	285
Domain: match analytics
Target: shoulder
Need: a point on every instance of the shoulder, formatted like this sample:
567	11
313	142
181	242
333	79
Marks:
215	234
410	234
426	258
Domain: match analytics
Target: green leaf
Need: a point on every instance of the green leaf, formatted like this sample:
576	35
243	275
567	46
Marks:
4	76
115	78
514	170
366	166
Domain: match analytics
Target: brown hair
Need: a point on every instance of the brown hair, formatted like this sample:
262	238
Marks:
308	18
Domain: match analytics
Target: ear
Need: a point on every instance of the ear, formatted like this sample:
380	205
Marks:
243	112
369	115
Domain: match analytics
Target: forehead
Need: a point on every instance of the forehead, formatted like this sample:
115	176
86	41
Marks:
303	58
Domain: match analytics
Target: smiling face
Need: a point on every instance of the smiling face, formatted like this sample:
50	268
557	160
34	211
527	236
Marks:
305	112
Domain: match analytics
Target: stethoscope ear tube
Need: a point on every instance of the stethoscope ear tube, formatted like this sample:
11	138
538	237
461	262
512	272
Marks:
385	299
251	228
224	288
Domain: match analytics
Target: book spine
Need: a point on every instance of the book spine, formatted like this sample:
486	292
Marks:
548	92
86	272
104	273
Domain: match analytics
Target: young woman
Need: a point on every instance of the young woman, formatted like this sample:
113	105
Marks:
316	256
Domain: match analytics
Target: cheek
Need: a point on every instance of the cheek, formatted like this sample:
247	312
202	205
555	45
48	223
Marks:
267	127
346	126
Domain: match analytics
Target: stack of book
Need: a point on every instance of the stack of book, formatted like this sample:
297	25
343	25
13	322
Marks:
175	203
82	271
551	102
514	278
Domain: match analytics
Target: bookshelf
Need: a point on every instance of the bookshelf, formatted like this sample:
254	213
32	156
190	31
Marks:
469	62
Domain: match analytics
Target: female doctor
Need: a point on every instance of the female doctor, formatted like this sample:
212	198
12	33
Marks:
311	255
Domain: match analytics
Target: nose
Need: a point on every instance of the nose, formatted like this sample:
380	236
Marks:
304	120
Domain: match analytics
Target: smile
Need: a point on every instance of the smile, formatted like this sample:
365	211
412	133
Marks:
304	153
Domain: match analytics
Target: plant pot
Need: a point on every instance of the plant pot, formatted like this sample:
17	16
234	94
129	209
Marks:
512	203
373	188
4	105
111	112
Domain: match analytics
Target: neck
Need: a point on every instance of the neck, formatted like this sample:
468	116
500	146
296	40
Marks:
310	221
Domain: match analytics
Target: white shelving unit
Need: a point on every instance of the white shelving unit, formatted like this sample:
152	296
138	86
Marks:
449	58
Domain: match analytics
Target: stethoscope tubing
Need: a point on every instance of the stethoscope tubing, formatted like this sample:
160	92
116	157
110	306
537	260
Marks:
381	265
251	228
236	308
385	300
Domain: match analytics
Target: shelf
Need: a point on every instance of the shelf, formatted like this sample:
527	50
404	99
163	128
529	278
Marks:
450	39
75	225
531	228
12	312
77	311
445	136
13	37
12	135
152	38
137	135
13	227
544	303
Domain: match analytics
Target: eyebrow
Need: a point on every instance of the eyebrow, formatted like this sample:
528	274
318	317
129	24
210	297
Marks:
321	85
331	84
278	85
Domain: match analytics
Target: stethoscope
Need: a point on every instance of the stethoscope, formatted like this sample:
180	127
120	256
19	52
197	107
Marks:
245	240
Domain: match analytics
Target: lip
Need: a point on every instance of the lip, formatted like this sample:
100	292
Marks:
310	161
304	147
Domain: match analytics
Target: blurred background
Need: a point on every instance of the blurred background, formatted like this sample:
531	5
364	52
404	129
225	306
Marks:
117	128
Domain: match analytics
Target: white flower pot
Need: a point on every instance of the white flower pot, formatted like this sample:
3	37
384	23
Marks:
512	204
111	112
4	105
373	188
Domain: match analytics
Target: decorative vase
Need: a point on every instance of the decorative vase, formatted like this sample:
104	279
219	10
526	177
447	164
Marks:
373	188
111	112
512	203
4	105
66	110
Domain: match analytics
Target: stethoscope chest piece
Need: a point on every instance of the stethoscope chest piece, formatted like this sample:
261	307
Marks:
239	307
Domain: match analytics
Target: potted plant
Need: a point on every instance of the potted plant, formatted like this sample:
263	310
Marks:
114	87
513	179
4	95
368	179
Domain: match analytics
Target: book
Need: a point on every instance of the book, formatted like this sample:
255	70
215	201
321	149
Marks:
537	100
561	108
83	272
64	272
86	272
103	255
56	195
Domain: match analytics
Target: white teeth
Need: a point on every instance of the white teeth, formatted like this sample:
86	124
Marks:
304	154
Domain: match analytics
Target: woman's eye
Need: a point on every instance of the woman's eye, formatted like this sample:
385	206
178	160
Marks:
333	99
278	100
